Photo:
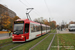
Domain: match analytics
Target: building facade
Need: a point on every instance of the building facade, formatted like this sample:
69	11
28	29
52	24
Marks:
5	11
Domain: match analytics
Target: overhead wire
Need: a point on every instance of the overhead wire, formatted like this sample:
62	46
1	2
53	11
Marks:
23	3
47	7
32	6
27	6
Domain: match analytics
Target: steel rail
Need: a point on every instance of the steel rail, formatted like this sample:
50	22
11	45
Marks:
51	42
38	42
16	46
6	45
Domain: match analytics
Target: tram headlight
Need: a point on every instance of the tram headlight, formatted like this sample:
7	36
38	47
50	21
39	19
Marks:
22	36
12	36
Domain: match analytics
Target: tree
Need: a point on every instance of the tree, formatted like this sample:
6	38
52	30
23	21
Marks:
45	22
71	22
5	21
39	20
53	24
15	18
36	20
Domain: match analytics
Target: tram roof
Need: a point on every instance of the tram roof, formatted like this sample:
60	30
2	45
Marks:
31	21
27	20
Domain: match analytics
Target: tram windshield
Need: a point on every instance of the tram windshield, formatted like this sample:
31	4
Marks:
18	28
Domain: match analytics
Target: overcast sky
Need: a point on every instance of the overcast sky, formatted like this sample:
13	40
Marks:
57	10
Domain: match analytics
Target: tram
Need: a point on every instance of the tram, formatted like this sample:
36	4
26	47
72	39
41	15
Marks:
25	30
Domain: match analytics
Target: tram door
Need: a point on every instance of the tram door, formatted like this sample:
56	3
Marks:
26	32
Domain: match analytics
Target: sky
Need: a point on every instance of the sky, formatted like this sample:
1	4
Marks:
57	10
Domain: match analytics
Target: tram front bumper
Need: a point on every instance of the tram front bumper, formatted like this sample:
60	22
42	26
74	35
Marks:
18	39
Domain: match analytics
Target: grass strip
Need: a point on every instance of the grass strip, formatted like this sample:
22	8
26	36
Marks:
54	44
29	44
44	44
53	31
5	40
10	46
67	41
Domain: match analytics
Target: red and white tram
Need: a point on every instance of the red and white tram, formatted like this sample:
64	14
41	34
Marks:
25	30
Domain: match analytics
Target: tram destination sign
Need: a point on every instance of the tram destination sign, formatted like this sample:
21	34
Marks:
17	22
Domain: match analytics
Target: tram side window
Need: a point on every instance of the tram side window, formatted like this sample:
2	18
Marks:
35	28
38	28
48	28
26	28
43	28
32	28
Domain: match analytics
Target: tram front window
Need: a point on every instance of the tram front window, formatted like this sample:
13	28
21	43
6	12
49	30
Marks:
18	28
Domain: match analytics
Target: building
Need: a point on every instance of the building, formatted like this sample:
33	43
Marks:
5	11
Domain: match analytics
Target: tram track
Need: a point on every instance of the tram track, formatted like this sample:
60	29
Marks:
24	43
51	42
6	45
38	43
47	44
16	46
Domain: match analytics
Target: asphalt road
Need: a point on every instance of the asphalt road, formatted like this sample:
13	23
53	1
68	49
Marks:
64	31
